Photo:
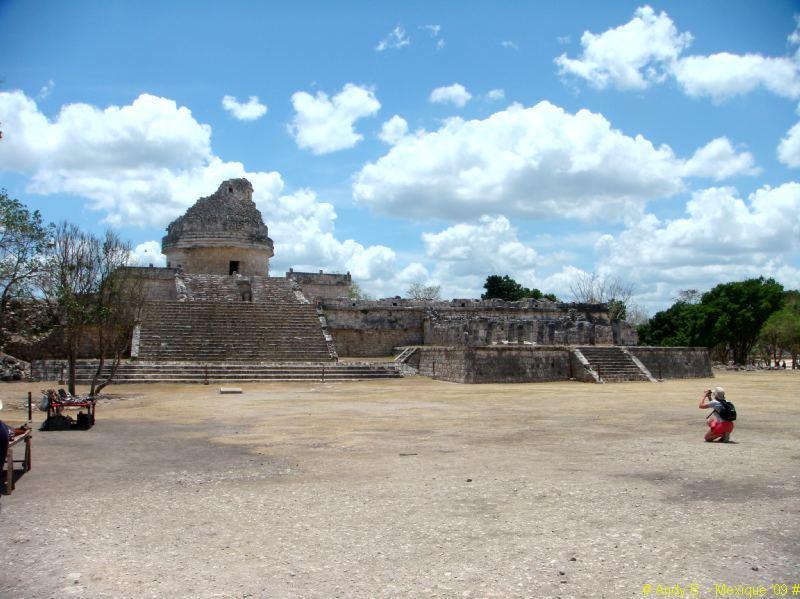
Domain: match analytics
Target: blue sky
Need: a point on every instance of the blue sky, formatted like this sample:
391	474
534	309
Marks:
657	144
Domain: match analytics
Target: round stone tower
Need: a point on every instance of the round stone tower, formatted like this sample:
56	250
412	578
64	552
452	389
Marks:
221	234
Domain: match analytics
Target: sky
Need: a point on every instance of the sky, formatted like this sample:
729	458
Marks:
420	142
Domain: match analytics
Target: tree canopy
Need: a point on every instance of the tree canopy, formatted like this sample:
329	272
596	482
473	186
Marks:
781	331
62	280
673	327
23	238
508	289
728	317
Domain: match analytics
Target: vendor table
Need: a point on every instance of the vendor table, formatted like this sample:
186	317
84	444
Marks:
21	436
56	407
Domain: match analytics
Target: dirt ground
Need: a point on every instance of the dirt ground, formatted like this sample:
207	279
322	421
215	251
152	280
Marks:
409	488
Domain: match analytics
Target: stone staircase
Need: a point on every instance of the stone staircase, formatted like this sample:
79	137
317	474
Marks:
218	372
210	288
613	364
215	326
220	288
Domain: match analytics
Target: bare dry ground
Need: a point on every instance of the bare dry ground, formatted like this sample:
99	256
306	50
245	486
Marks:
409	488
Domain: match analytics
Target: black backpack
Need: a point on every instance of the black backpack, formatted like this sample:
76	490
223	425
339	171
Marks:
726	411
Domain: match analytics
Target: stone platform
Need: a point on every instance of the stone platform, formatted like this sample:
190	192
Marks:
221	372
522	363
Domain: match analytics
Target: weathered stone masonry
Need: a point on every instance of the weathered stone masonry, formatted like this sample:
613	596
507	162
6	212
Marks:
375	328
221	234
321	285
215	303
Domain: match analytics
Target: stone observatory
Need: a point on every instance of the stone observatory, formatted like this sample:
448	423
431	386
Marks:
221	234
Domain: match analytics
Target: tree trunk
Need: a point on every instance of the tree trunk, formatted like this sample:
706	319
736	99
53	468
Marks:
94	388
114	365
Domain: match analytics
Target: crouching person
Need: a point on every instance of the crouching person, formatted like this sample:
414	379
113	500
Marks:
720	420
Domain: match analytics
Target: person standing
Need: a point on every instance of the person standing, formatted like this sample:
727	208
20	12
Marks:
720	421
5	438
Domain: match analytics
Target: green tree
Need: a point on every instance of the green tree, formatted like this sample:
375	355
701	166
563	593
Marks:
508	289
23	238
673	327
781	331
728	318
732	314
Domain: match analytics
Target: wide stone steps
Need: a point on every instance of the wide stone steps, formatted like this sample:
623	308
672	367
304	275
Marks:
277	326
612	364
220	356
214	288
221	288
219	372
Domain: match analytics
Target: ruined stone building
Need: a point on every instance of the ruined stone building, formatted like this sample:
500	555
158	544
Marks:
214	313
221	234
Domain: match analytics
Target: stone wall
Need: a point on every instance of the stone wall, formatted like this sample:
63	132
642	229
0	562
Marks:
159	282
375	328
51	345
534	308
473	330
358	331
48	370
674	362
495	364
624	334
321	285
211	260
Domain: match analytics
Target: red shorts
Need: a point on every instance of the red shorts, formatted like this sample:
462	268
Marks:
720	427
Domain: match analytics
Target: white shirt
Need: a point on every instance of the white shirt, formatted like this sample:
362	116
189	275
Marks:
716	406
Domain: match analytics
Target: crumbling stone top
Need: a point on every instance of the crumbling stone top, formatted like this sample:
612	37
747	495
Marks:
319	278
229	215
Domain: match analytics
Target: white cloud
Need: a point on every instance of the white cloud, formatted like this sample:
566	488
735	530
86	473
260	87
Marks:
563	39
490	239
466	253
789	147
718	160
648	49
509	44
724	75
439	44
125	159
536	162
396	39
496	95
145	163
630	56
244	111
393	130
46	89
454	94
323	125
147	253
150	131
722	238
303	230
